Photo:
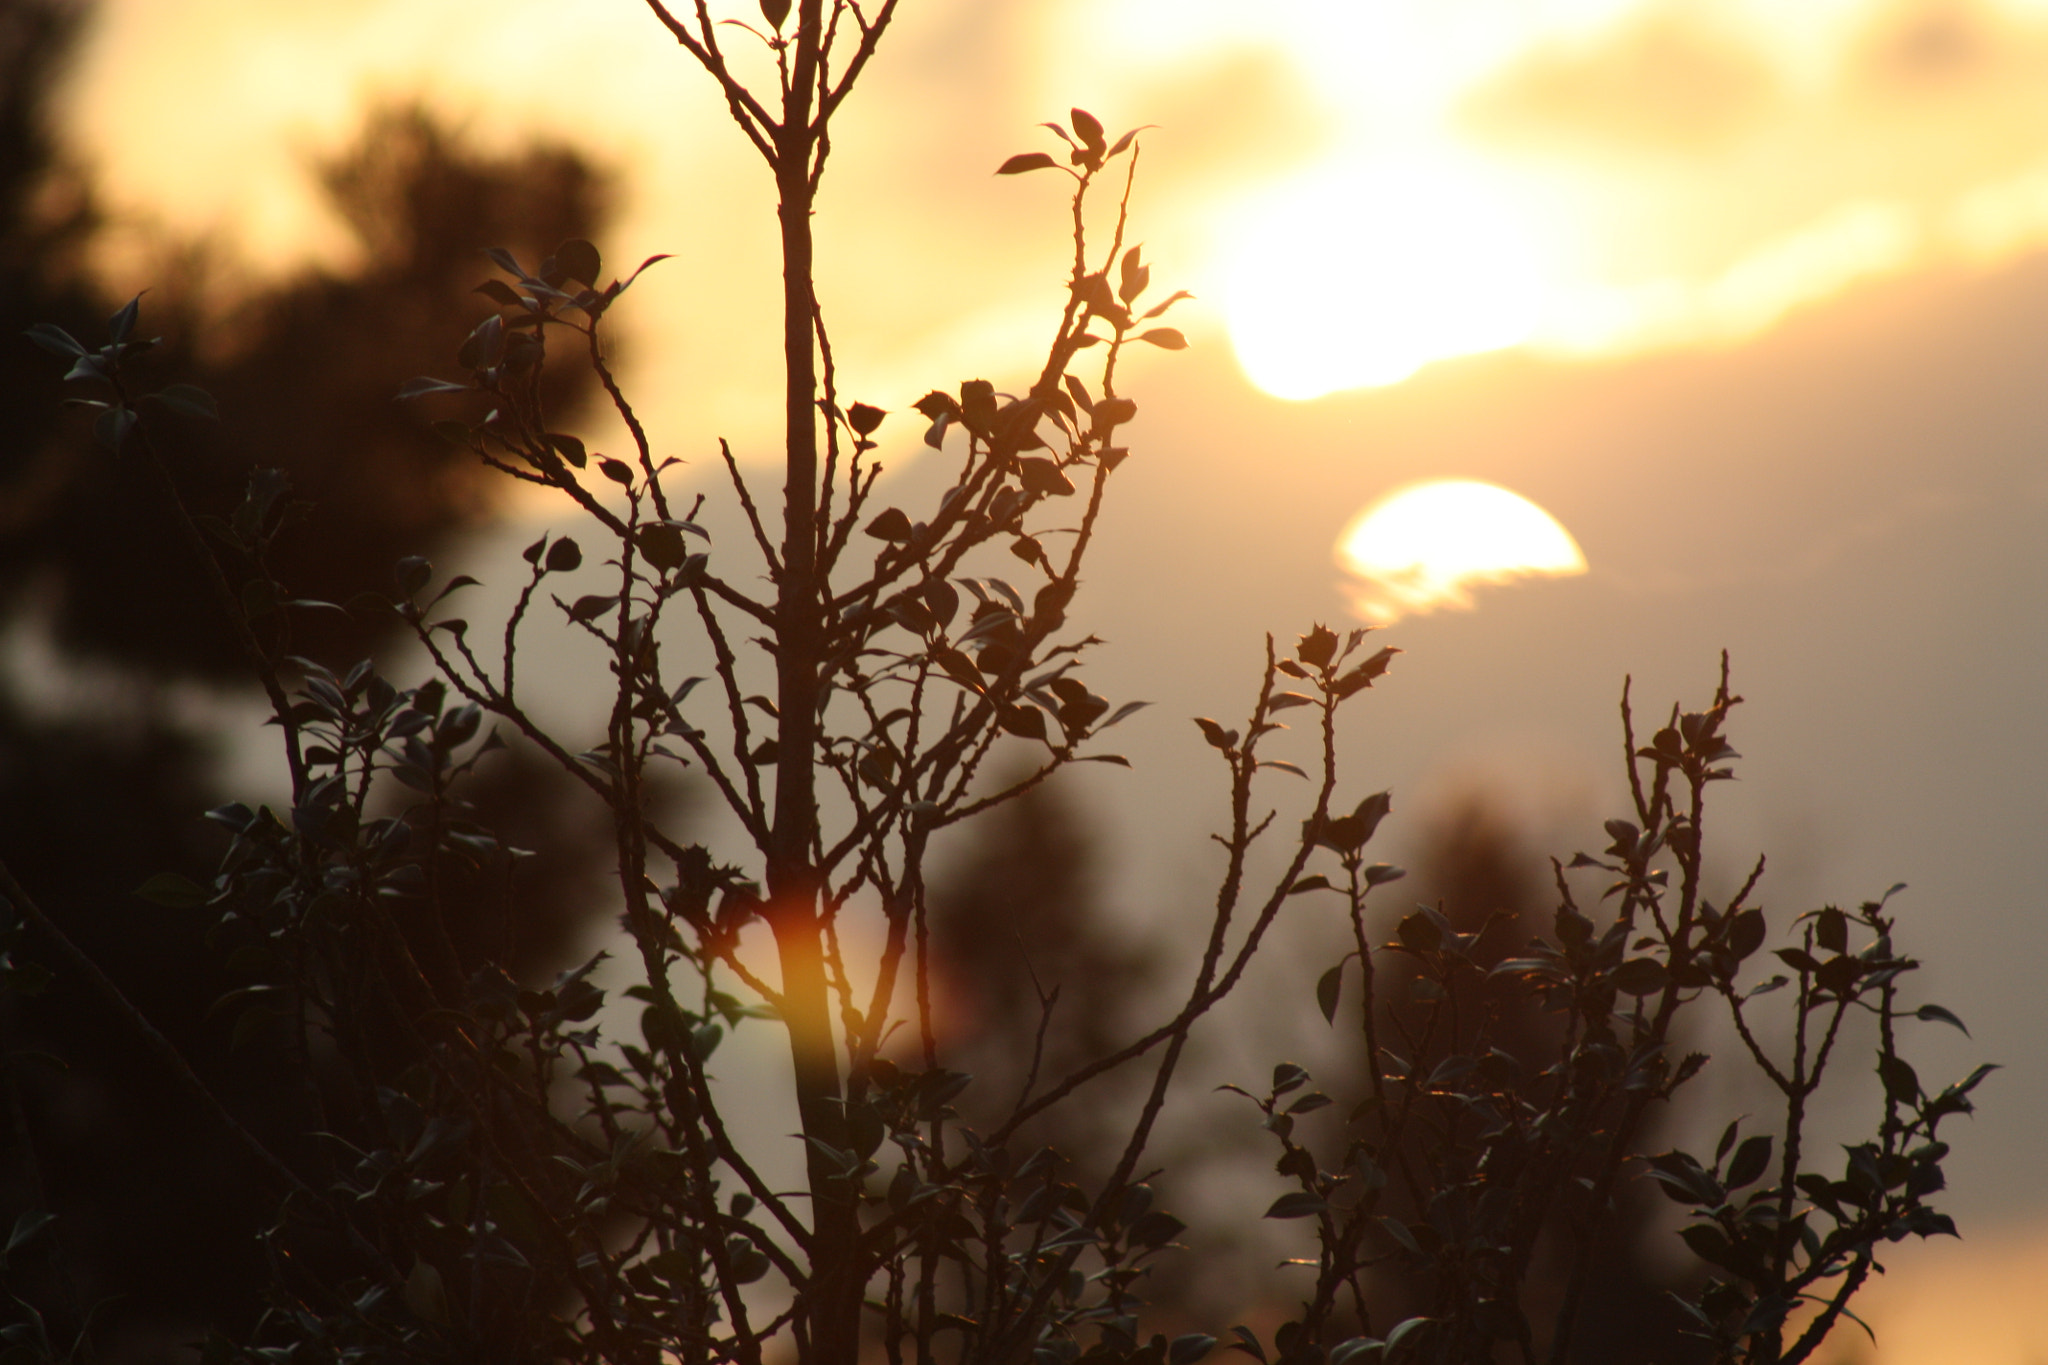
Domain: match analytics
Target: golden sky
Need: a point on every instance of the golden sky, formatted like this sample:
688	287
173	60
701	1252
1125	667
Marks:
1353	189
1765	277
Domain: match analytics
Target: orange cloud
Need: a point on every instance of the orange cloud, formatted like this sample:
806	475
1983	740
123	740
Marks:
1661	83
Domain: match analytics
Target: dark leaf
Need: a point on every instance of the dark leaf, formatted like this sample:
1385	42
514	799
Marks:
122	324
1027	161
588	608
570	448
1751	1159
1329	987
55	340
485	346
111	428
411	574
1901	1085
1940	1015
1318	647
1043	477
578	260
1746	933
1087	127
1298	1204
892	525
564	556
1640	976
191	401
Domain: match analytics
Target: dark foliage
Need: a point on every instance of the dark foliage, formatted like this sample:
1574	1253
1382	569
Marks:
486	1168
101	783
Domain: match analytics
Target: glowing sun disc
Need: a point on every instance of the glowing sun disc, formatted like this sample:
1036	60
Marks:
1428	545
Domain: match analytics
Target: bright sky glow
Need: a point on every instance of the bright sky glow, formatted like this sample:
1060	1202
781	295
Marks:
1363	278
1428	545
1599	177
1352	188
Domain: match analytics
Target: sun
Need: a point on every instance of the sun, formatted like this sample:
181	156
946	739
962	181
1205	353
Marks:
1360	276
1428	545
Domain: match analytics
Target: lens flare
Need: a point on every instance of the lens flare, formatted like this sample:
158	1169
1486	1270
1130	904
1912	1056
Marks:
1428	545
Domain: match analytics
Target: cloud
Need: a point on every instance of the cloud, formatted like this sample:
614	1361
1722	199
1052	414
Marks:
1660	83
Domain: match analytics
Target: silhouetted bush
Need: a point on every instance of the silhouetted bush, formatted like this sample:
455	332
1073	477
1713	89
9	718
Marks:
504	1170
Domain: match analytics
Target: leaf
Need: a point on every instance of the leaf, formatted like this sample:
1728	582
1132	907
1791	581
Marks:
1404	1331
864	419
618	288
111	428
1344	1352
661	544
1399	1231
55	340
1751	1159
1938	1014
568	447
1318	647
502	294
591	606
411	574
1186	1350
1165	338
191	401
1129	708
1329	988
1218	737
564	556
27	1226
1043	477
1087	127
1027	161
1113	412
1640	976
1298	1204
1746	933
122	323
1126	141
1900	1082
1133	276
578	259
484	346
775	11
891	526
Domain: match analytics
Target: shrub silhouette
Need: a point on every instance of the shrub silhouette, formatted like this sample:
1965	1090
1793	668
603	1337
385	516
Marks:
511	1172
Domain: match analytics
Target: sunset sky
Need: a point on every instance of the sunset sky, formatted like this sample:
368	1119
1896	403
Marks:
1751	297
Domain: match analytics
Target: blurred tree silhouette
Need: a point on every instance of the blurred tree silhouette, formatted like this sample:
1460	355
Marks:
1033	977
159	1218
1031	974
1480	867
